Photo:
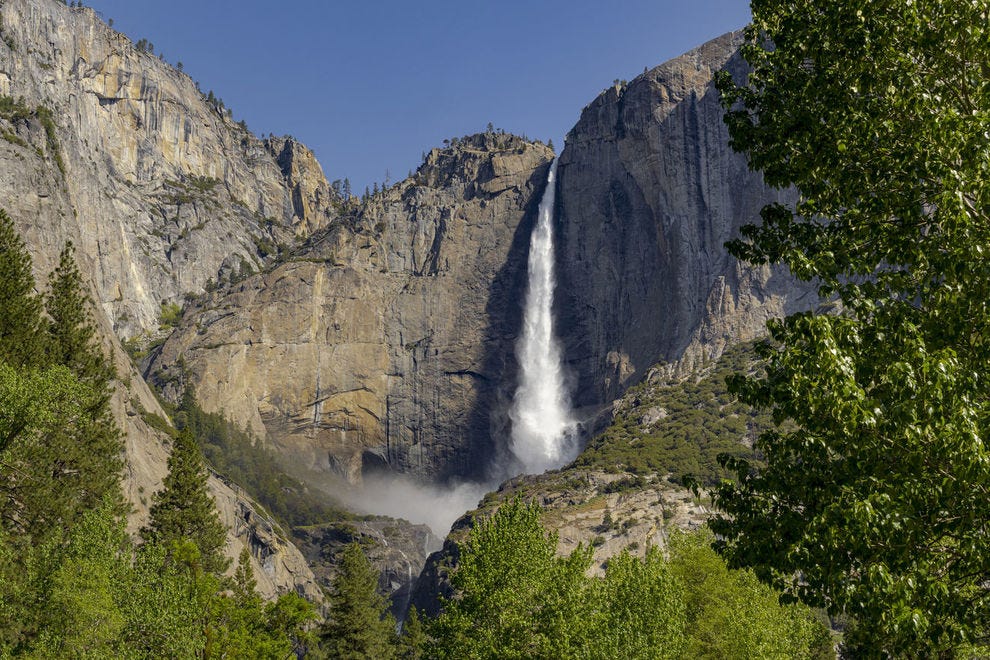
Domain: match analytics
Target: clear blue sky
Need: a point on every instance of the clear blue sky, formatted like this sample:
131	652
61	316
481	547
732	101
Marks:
371	85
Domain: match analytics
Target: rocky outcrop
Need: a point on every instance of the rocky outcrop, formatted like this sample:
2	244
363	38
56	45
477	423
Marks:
649	193
386	341
164	192
607	511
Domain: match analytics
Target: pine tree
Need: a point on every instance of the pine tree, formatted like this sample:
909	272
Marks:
245	585
412	642
71	342
21	336
358	625
184	509
71	329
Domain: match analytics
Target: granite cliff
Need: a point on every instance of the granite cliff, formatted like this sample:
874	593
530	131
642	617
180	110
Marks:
649	193
164	192
385	342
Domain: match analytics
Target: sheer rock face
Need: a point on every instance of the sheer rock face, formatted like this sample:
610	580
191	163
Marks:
116	114
165	192
649	193
386	342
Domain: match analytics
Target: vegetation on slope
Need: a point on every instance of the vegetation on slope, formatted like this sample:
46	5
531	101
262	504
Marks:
72	583
513	597
681	429
242	459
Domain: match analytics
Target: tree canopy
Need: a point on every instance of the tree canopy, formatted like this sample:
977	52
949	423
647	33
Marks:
873	500
515	598
184	510
358	624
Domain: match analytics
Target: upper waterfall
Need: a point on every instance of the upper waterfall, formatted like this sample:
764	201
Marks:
542	424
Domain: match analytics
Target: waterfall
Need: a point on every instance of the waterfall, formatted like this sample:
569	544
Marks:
542	425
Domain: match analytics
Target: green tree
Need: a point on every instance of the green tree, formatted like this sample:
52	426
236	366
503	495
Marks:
639	610
71	329
247	627
81	587
167	604
730	614
412	642
56	461
21	334
513	597
292	616
184	509
873	501
358	624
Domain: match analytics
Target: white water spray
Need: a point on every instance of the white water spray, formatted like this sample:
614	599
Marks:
542	425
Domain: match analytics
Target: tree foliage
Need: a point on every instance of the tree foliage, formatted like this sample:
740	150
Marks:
21	335
730	614
873	501
358	624
71	330
514	598
184	510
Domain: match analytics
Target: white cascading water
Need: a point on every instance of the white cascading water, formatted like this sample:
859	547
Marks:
542	424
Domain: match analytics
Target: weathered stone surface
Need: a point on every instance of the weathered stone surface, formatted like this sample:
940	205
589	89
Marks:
649	193
165	192
387	340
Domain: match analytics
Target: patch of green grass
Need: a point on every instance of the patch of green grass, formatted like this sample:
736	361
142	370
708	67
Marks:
14	138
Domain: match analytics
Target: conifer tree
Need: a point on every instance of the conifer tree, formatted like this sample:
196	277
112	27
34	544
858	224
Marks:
412	642
71	342
184	509
71	330
357	625
21	336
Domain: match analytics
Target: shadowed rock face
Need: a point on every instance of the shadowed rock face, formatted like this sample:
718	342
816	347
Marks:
649	193
386	342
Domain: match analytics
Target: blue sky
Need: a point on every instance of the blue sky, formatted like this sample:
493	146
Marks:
369	85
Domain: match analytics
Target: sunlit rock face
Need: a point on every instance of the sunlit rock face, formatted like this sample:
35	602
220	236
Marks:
385	343
165	191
